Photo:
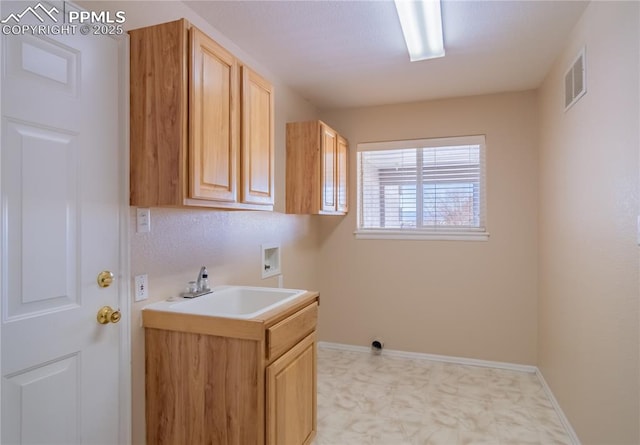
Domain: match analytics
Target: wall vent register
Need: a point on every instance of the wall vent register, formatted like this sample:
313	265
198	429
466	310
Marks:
575	81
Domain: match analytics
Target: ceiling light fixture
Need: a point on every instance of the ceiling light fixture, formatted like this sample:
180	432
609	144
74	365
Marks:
421	22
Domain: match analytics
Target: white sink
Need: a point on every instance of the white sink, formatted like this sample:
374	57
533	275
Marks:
231	301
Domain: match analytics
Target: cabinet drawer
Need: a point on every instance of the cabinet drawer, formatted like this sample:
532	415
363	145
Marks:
283	335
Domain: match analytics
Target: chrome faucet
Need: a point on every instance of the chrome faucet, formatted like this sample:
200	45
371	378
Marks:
203	279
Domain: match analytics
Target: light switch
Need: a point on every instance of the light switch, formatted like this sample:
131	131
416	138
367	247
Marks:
143	220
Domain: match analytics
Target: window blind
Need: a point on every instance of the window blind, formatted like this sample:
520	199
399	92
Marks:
422	185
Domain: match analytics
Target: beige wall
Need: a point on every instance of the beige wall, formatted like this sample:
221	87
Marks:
459	298
228	243
588	310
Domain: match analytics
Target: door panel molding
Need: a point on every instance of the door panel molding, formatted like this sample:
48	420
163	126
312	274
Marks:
60	380
44	164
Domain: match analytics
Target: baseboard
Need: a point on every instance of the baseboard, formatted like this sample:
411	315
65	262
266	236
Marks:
470	362
563	419
434	357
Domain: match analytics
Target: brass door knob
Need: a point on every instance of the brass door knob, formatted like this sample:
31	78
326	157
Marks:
107	315
105	278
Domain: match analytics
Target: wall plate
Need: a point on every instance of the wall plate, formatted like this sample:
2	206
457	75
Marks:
270	260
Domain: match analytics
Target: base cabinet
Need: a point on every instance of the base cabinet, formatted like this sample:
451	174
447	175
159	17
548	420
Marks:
291	395
238	382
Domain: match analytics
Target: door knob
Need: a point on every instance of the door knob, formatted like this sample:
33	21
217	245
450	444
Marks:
107	315
105	278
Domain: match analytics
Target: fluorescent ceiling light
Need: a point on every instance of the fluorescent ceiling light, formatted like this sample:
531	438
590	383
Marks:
421	22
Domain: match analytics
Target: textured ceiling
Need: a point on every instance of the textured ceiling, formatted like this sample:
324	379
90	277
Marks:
351	53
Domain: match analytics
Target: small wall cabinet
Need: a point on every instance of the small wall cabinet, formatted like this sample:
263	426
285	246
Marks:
201	123
317	169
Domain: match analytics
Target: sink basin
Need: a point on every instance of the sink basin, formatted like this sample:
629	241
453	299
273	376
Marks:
232	301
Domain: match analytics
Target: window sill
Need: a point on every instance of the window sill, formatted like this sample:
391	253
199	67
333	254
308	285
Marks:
434	235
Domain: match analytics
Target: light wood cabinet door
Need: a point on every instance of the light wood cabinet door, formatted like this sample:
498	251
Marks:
329	146
213	109
257	156
342	178
291	396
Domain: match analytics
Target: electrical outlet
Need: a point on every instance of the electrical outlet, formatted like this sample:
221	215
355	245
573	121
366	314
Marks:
141	287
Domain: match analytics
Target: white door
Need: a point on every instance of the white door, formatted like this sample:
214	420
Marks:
60	229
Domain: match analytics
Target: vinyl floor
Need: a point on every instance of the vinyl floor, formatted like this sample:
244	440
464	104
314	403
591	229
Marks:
364	399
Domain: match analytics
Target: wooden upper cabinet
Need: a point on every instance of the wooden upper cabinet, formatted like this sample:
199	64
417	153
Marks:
316	180
196	139
257	139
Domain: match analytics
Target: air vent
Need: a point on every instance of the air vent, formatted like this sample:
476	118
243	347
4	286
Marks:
575	84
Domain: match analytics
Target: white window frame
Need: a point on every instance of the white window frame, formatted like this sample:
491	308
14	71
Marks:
447	233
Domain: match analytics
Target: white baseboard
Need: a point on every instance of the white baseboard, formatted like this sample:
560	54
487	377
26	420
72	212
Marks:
565	422
470	362
433	357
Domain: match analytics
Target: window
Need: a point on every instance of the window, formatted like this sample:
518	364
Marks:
422	189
